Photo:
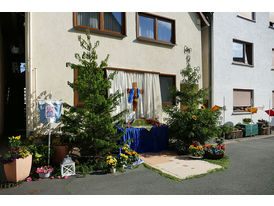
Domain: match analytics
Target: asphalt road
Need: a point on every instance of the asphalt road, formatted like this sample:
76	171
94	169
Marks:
251	172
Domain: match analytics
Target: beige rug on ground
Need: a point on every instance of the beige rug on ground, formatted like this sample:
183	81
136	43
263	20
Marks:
177	166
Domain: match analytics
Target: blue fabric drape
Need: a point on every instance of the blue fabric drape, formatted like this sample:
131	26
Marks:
141	140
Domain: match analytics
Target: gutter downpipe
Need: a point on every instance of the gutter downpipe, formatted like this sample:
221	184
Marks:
210	62
29	110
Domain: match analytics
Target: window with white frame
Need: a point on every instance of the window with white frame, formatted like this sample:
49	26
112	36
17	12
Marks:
242	100
242	52
247	15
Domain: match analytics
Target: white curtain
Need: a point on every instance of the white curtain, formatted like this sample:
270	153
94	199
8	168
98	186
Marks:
149	103
90	19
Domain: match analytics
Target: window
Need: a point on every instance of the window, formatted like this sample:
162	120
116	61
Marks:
247	15
242	52
273	59
106	22
155	28
242	100
166	83
271	19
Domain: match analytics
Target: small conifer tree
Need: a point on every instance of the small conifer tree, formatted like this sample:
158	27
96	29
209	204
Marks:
91	127
192	121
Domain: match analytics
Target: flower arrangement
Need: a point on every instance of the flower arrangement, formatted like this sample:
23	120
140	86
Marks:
214	149
16	150
111	161
132	155
196	150
44	170
122	159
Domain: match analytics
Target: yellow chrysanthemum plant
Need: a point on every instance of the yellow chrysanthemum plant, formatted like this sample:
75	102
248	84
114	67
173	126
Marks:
123	159
132	155
196	150
111	161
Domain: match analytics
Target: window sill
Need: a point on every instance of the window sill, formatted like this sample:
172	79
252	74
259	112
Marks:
251	20
109	33
156	41
241	113
242	64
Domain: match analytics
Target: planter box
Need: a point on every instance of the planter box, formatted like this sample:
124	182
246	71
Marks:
247	129
264	131
237	134
18	170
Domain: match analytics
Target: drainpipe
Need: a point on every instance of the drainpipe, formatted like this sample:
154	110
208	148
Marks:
28	51
210	62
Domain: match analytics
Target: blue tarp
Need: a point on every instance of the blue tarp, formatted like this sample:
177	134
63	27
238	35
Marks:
142	140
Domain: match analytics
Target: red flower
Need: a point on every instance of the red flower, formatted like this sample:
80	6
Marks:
224	147
195	144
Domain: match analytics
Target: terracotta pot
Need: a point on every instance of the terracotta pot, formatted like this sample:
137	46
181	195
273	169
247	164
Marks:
60	152
18	170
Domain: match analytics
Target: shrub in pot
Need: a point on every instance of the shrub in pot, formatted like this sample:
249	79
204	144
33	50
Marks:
17	162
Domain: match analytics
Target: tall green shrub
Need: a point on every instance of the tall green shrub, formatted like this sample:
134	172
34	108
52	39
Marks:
91	127
192	122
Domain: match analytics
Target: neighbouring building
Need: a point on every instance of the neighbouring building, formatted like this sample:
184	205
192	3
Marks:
242	61
147	48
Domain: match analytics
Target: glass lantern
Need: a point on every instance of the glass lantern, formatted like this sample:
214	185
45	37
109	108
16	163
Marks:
67	167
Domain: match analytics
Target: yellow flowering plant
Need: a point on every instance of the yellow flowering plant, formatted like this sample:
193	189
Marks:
196	150
111	161
123	159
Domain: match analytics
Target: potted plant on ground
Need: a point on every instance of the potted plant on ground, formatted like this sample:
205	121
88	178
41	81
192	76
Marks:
246	120
122	160
214	151
44	171
60	149
111	162
263	126
196	151
17	162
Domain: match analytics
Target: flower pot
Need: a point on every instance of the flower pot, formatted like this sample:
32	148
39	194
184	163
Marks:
18	170
44	175
213	156
60	152
112	170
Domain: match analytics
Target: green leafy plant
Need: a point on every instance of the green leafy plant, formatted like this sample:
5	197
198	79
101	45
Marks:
226	131
190	122
246	120
91	127
263	123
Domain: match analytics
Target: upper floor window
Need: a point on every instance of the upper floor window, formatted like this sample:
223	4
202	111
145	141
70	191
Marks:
242	100
107	22
166	83
242	52
247	15
271	19
155	28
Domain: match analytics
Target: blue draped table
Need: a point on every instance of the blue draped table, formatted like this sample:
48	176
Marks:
141	140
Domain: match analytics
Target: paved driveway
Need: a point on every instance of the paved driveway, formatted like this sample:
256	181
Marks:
251	172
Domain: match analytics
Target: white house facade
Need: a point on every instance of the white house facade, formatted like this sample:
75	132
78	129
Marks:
242	64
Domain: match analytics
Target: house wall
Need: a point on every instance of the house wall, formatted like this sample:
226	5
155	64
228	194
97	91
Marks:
54	42
226	76
1	85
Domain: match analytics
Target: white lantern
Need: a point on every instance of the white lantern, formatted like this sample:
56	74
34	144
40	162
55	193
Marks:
67	167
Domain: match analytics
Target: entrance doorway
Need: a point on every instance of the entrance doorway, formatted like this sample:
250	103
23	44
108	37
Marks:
12	74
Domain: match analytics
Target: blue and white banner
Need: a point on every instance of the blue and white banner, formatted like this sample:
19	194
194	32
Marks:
49	111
